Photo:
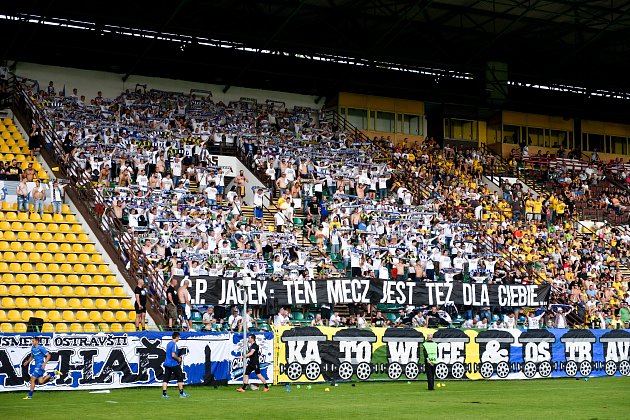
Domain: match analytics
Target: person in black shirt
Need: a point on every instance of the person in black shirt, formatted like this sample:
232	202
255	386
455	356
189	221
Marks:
140	305
253	363
171	303
379	321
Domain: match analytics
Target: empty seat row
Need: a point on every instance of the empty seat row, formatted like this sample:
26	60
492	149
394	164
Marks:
70	238
67	316
40	267
52	257
64	291
35	217
35	279
41	227
62	327
46	302
11	207
76	248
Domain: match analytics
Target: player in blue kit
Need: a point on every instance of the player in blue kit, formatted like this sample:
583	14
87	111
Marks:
41	356
172	368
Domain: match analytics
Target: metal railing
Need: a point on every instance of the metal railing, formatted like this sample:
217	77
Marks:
90	196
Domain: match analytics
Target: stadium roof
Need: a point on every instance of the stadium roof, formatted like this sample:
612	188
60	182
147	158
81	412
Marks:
426	49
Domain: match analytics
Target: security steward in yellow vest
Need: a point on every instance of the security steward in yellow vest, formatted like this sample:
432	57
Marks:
430	360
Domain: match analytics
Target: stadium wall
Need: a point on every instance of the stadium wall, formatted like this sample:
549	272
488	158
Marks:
89	82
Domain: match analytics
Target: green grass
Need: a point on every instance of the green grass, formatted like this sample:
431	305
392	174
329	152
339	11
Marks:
601	398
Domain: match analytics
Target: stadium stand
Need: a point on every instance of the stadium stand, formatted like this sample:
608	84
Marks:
340	204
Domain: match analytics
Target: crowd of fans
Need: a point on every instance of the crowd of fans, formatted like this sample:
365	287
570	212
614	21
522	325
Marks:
344	205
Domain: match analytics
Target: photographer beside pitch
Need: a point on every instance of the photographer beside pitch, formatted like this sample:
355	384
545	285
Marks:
253	364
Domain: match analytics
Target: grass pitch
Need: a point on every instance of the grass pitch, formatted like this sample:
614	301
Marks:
601	398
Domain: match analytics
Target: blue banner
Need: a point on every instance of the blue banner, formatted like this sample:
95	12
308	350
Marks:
98	361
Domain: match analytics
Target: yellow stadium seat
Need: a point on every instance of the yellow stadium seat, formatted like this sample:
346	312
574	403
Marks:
80	291
93	291
130	327
103	327
101	303
108	316
21	256
22	236
11	216
91	268
58	218
98	279
127	304
60	278
67	291
5	246
104	269
22	279
79	268
122	316
86	279
21	302
65	208
60	258
48	328
9	235
97	259
76	327
90	248
16	246
71	218
22	217
95	316
53	267
87	303
41	314
76	228
35	236
3	316
40	247
9	256
54	316
82	316
68	316
74	303
8	277
83	237
34	302
61	303
61	327
111	280
15	290
84	258
64	227
65	247
16	226
28	290
35	217
71	238
20	327
72	258
54	291
48	303
113	304
53	247
78	248
4	290
66	268
106	291
27	267
15	267
41	290
89	328
34	278
8	303
53	227
73	279
7	328
47	257
14	316
46	236
119	291
117	328
47	278
27	314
